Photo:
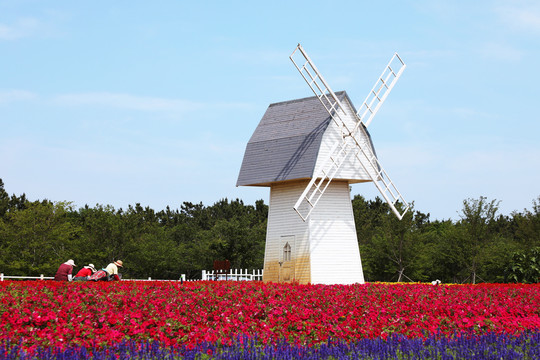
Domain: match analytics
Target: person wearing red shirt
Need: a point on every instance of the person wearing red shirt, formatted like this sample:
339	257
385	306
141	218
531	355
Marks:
65	271
109	273
85	273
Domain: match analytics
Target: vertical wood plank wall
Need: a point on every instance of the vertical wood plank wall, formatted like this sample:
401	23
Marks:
284	221
334	252
325	248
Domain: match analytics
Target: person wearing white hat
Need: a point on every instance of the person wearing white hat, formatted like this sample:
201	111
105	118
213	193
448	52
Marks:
112	269
65	271
85	273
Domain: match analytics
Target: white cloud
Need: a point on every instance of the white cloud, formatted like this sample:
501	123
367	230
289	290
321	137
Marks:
127	101
23	27
439	8
256	56
15	95
143	103
501	162
521	15
438	178
501	52
90	174
470	113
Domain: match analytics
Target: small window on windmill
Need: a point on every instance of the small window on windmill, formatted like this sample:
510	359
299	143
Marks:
287	252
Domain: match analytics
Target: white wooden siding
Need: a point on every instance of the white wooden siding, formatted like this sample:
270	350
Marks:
334	252
284	221
325	247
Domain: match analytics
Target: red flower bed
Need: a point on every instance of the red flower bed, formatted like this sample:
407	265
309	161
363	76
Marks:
46	313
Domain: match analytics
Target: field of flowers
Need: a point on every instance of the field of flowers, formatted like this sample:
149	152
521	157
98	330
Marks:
229	320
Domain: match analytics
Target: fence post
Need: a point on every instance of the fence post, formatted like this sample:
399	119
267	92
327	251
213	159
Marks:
2	277
149	278
41	277
182	277
203	275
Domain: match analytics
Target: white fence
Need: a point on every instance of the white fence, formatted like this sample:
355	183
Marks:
41	277
233	274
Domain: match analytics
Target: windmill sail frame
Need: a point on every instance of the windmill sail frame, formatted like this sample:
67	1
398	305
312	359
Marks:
349	138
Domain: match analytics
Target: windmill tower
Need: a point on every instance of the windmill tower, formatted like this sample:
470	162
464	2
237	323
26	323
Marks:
309	151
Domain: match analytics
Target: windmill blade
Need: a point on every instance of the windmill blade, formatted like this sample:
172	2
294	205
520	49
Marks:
380	90
319	182
370	163
378	175
319	86
321	179
378	94
350	140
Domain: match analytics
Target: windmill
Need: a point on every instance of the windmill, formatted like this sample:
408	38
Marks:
309	151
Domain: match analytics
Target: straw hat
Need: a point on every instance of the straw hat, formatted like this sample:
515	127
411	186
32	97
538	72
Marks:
119	263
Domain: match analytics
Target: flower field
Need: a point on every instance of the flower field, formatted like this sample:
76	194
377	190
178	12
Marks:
200	320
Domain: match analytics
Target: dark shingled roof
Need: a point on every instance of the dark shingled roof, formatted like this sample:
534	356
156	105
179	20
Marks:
286	142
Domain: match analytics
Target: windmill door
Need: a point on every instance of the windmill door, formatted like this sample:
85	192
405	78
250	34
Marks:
287	257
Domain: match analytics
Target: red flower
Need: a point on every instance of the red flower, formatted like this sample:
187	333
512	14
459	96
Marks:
55	314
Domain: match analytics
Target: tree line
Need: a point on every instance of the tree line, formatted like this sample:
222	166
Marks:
482	246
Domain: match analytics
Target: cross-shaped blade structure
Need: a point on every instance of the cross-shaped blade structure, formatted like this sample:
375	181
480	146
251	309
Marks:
351	140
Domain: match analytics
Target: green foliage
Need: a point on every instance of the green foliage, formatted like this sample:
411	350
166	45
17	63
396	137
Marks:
476	216
478	247
524	266
36	237
443	251
390	248
4	200
528	226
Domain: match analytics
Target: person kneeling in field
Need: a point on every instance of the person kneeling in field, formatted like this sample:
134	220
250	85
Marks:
65	270
85	273
110	273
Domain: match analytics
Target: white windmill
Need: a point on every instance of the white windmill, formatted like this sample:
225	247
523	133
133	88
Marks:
306	148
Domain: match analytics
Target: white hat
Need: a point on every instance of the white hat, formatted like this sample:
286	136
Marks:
91	266
119	263
70	262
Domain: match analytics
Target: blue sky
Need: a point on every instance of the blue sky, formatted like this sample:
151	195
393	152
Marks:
154	102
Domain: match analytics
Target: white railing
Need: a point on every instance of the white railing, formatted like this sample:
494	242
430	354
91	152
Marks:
233	274
41	277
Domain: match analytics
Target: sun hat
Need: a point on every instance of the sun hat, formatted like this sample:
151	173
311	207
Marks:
119	263
70	262
91	266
